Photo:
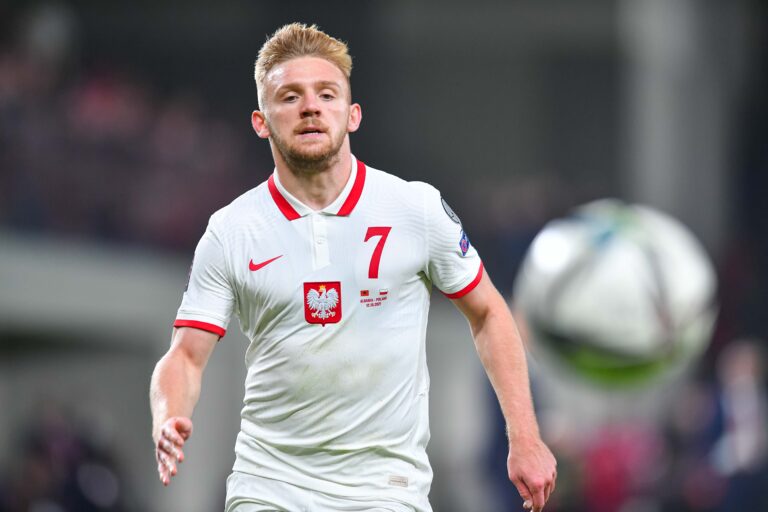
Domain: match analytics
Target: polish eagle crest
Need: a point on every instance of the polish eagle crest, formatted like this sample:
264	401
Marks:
322	302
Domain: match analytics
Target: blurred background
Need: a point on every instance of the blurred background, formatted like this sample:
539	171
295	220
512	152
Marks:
124	125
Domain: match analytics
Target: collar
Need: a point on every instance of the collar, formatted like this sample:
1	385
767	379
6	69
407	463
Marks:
342	206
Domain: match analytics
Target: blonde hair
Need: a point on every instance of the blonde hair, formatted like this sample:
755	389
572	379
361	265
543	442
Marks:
298	40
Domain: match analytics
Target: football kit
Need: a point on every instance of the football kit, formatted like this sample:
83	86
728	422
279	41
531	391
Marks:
334	303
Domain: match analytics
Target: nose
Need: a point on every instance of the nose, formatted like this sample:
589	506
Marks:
310	106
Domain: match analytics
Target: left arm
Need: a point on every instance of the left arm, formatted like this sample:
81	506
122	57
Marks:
530	464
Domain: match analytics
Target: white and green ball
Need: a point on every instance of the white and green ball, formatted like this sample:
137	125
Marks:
617	293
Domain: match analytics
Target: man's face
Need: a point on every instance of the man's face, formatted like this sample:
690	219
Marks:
306	111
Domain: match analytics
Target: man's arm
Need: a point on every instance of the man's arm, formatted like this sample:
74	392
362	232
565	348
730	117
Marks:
531	466
173	394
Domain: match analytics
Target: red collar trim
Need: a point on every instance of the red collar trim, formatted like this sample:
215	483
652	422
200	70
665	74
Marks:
281	202
349	204
355	193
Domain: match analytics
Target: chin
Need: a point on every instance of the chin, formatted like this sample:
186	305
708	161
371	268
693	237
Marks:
312	156
314	152
315	161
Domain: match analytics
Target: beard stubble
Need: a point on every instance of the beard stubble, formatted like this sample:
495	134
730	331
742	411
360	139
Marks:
309	160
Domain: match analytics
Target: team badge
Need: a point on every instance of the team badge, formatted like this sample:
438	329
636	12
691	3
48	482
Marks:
464	243
451	214
322	302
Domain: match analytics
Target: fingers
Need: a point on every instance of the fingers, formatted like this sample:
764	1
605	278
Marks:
168	450
535	493
522	489
171	449
163	473
538	499
551	486
165	468
183	426
168	461
168	455
173	435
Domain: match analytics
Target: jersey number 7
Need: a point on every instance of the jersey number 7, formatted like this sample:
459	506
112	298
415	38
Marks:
383	232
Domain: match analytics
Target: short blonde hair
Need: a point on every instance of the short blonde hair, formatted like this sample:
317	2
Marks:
298	40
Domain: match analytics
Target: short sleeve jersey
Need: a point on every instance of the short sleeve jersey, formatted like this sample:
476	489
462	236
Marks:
334	303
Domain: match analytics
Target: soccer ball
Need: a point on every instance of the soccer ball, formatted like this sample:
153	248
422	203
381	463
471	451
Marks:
616	293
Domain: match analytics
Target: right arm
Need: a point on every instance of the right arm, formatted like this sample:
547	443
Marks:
174	391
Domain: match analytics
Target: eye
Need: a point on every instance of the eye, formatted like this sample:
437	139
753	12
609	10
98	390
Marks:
327	96
290	98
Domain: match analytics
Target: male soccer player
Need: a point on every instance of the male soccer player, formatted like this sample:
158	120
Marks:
328	266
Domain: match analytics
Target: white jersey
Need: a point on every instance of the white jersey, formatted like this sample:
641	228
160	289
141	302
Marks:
334	303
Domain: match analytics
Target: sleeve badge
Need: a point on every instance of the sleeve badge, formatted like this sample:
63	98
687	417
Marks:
464	243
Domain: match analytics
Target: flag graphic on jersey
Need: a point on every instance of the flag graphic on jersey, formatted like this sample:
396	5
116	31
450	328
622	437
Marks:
464	243
322	302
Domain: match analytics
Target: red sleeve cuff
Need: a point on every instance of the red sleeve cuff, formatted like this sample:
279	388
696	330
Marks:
215	329
469	287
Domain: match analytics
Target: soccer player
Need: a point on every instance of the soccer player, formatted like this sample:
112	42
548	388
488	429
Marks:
328	266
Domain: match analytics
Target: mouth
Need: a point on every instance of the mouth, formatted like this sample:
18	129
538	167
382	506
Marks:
310	130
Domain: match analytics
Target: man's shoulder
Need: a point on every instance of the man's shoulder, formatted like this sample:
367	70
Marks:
240	210
413	189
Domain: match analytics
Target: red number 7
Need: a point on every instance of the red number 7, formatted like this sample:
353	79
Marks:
383	232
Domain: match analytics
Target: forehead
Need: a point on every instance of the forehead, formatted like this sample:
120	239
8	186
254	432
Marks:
304	71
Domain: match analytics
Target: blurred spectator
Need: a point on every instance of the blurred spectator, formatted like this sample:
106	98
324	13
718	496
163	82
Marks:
59	469
740	454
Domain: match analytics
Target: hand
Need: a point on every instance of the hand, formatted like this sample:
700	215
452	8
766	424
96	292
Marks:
532	468
169	442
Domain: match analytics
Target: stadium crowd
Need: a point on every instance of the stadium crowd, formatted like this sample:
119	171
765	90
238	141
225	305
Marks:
102	156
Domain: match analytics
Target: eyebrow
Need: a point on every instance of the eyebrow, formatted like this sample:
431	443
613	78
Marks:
297	85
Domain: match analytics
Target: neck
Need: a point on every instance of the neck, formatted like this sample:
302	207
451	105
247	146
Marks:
316	187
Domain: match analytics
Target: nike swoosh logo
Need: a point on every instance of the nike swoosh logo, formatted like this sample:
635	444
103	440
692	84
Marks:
256	266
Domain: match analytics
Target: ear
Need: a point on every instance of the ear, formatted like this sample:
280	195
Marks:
259	123
355	117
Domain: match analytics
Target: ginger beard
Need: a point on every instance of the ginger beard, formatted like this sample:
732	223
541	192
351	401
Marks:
309	157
